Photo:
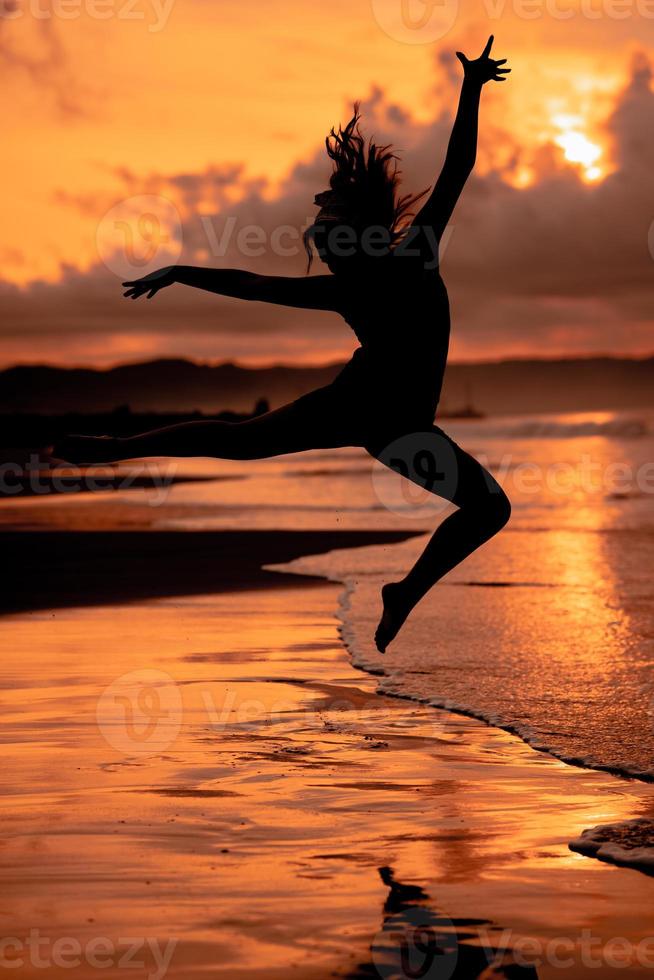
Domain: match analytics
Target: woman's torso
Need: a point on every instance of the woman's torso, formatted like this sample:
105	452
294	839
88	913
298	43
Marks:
400	315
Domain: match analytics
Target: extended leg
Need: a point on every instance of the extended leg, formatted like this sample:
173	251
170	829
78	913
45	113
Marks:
484	509
304	424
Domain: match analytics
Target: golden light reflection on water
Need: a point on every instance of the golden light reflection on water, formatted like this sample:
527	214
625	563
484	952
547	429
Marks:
256	834
288	783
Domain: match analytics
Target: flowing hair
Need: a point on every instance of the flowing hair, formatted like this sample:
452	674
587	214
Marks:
366	178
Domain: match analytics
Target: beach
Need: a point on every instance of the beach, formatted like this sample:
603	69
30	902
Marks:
380	709
200	782
240	825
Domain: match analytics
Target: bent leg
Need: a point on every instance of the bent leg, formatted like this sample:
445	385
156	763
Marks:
437	463
311	422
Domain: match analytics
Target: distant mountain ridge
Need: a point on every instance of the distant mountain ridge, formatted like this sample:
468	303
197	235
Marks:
502	387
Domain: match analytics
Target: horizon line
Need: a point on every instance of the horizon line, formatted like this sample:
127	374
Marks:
302	365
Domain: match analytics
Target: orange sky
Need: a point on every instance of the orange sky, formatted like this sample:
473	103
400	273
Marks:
113	100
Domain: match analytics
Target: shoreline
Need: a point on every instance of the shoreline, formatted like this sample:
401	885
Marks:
443	704
357	586
627	845
261	835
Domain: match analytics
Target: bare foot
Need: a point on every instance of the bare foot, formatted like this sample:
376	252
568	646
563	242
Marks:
396	610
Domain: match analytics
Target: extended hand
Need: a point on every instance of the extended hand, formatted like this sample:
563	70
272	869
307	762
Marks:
151	284
483	68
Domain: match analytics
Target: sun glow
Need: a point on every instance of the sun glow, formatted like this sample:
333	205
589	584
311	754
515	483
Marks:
576	146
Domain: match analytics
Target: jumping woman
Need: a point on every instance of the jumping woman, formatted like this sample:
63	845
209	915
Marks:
385	282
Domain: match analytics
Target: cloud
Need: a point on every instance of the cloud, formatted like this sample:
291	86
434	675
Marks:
562	260
560	266
32	46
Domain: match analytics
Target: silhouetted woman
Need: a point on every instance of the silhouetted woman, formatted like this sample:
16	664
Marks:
386	284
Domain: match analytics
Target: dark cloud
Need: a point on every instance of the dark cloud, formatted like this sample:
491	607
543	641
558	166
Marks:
32	46
560	266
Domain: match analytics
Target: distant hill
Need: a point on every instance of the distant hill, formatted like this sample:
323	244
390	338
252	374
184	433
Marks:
504	387
163	386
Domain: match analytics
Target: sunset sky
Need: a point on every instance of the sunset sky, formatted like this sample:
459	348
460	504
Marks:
141	132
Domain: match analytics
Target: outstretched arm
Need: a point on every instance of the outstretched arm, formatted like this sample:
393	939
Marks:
462	148
306	292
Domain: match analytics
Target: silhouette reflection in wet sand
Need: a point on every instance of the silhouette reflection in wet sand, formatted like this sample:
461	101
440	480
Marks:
417	941
384	280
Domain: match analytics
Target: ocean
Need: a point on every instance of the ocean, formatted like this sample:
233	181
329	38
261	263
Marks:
546	631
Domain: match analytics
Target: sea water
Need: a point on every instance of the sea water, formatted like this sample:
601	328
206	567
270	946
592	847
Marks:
547	630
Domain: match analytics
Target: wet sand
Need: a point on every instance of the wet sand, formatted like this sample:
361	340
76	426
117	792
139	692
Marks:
55	569
71	480
205	785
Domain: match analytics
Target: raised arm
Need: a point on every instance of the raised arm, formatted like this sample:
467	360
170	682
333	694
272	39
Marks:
307	292
462	148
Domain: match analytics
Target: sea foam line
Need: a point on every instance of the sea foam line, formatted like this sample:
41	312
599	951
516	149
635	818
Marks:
388	683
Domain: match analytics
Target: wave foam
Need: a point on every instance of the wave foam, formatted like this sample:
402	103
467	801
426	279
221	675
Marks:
631	428
361	569
629	844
